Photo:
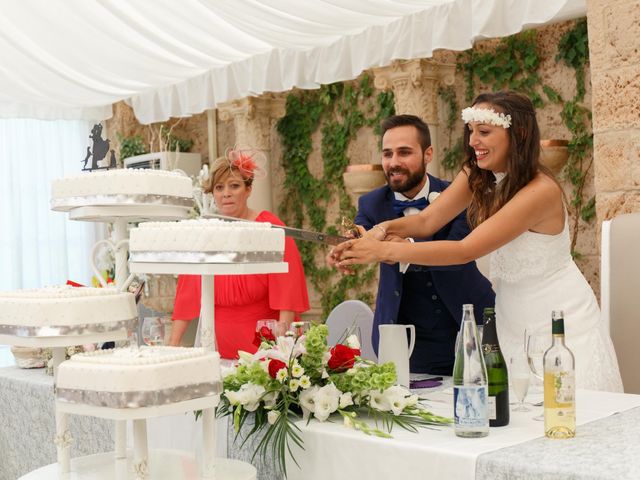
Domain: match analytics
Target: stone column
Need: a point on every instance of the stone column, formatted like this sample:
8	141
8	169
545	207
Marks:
253	117
415	86
614	29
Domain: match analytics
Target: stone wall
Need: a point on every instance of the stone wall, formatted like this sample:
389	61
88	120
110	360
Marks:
614	30
617	168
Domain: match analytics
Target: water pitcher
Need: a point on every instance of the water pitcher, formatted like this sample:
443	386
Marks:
394	348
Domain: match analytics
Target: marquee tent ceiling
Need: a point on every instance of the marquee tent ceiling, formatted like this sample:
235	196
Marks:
72	59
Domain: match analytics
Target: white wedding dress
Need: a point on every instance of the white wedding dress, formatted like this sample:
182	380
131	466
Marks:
535	274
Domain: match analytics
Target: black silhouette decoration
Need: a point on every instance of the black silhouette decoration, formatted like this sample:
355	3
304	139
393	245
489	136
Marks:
99	151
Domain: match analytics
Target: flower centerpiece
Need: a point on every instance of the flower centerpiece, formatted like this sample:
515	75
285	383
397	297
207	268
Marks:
299	375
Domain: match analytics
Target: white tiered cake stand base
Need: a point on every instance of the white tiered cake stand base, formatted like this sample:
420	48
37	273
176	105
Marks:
163	465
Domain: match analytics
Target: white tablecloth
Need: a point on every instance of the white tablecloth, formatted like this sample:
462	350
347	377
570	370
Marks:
333	451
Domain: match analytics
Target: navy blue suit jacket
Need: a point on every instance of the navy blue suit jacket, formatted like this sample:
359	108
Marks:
454	285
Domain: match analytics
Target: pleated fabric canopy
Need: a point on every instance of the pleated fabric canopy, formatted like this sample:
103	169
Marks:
72	59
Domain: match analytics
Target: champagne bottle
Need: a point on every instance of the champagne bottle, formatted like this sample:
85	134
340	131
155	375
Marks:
469	381
559	384
498	399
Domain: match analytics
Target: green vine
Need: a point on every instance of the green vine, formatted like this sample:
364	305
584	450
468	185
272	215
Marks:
454	151
340	110
514	64
573	50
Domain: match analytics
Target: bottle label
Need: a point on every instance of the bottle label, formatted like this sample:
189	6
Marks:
491	407
565	387
559	389
488	348
470	406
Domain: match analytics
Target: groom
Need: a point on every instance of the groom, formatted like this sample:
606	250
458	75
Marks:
430	298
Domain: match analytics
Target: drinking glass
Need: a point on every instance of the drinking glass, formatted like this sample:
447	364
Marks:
520	376
272	325
300	328
153	331
537	342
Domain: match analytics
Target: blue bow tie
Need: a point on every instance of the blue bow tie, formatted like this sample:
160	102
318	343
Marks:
400	205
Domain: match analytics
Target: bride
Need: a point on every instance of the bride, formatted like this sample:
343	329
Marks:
516	209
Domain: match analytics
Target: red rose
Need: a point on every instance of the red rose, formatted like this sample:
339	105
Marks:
342	358
264	333
274	366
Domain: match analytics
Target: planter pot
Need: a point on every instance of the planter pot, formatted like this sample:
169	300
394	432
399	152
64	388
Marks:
554	154
360	179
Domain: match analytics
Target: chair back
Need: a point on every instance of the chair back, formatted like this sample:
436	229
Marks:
620	298
352	313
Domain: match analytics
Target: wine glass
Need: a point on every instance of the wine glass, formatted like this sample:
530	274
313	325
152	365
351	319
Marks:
520	376
537	342
153	331
272	325
300	328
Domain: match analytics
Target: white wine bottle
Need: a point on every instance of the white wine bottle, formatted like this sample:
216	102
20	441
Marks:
470	389
559	384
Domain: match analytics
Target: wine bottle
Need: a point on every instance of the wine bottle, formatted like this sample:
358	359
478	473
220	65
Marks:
469	381
559	384
498	399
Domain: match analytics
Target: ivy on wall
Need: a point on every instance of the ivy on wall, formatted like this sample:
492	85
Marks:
513	65
339	110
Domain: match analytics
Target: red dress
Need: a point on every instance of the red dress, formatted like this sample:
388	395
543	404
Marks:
242	300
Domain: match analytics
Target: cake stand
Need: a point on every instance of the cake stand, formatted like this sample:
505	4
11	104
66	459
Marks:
207	272
120	216
163	465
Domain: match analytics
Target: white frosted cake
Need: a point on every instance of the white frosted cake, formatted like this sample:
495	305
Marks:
206	241
137	377
122	187
65	311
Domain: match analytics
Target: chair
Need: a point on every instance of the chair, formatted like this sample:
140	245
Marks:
620	302
352	313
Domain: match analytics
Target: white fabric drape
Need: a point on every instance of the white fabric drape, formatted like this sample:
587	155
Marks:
74	58
39	247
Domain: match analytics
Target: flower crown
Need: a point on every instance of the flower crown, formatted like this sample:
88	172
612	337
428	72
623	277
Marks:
248	161
486	115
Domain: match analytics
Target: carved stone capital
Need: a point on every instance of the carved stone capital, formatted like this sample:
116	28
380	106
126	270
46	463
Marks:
252	118
415	85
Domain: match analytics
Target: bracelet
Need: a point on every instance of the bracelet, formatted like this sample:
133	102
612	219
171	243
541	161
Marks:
384	230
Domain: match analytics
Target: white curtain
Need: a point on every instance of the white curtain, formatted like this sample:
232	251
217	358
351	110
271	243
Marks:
72	59
39	247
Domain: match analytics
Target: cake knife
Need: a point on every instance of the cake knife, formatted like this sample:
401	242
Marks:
297	233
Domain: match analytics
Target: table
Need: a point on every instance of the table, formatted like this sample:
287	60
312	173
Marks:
27	424
606	443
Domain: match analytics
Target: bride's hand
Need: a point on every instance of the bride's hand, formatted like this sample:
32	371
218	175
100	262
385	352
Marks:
361	251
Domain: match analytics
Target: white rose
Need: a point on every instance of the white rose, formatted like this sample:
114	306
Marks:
253	394
327	400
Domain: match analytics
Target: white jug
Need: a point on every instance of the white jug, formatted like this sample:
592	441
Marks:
393	348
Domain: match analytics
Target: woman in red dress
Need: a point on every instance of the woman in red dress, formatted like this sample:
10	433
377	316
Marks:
242	300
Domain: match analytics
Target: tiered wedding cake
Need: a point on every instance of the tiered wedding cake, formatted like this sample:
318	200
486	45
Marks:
122	187
139	377
206	241
65	311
